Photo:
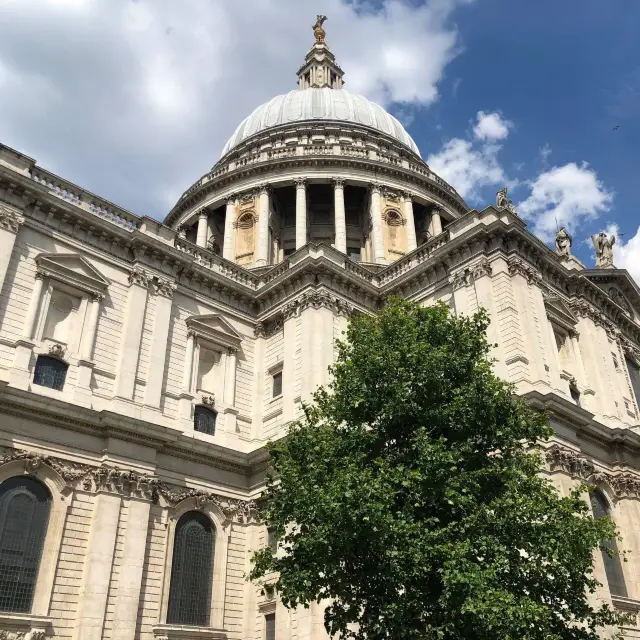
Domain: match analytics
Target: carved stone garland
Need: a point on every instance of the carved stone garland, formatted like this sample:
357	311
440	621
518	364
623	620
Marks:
130	483
623	484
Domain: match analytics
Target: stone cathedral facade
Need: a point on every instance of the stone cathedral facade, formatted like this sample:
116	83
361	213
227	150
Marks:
144	365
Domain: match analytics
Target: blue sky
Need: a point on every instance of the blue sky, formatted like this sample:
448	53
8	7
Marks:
134	99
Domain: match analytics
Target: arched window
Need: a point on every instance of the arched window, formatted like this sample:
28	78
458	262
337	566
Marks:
612	565
191	571
245	236
204	420
50	372
25	504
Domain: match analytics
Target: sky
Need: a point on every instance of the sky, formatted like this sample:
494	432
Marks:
134	99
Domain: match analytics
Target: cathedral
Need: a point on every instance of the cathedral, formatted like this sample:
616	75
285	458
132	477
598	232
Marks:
145	365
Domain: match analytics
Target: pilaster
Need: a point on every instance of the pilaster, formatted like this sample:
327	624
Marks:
289	364
10	223
131	334
163	290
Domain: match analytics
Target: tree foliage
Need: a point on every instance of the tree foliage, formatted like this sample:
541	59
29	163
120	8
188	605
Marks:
410	496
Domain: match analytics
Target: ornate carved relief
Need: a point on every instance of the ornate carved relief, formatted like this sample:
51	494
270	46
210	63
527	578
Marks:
164	288
23	635
466	277
139	277
619	299
10	220
623	484
518	266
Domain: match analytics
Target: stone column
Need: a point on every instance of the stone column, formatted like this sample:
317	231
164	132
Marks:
259	348
375	211
98	564
82	392
10	223
412	243
34	305
262	257
301	212
184	405
130	580
339	214
163	290
230	390
20	376
229	219
203	225
132	334
436	222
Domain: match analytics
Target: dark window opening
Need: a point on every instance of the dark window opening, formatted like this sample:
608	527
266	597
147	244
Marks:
289	251
272	539
204	420
270	626
50	372
25	505
354	253
612	564
191	571
634	374
277	384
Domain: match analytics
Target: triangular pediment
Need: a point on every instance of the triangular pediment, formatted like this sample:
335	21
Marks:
215	328
619	286
74	270
558	311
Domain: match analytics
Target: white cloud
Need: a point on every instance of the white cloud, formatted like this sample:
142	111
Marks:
491	126
134	99
626	254
545	152
564	196
470	165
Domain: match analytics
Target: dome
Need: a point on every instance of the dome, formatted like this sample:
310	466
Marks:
317	104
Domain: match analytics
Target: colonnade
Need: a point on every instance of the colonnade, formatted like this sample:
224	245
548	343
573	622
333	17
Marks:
301	234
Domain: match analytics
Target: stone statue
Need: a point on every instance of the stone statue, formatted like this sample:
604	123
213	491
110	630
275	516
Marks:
502	202
318	31
563	243
604	249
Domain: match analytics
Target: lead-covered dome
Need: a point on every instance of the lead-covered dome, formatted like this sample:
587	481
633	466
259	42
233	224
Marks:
325	104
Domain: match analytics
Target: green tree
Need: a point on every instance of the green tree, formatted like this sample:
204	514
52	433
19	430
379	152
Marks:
410	496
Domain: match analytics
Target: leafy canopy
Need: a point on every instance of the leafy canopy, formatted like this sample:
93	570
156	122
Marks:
410	496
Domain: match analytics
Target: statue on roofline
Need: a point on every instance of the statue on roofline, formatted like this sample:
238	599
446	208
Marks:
604	250
563	243
502	202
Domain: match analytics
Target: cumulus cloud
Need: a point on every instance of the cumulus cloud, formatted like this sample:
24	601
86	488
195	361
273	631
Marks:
134	99
564	196
491	126
469	165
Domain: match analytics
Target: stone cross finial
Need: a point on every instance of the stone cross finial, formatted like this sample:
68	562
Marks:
563	243
604	250
318	31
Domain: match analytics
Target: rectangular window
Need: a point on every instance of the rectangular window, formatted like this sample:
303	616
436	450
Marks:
634	374
270	626
277	384
272	540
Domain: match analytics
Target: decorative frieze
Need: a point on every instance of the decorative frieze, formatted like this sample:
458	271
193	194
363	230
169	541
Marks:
466	277
23	635
461	279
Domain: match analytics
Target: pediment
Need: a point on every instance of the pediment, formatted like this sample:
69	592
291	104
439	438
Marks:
619	286
215	328
559	312
74	270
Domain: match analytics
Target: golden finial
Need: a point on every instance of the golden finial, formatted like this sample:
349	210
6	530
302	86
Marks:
318	31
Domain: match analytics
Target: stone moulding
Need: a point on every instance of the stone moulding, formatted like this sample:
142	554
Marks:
130	484
623	484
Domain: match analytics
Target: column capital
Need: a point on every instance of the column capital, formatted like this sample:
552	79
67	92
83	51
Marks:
164	288
301	183
338	183
41	274
97	297
231	199
407	195
232	351
374	187
263	189
10	220
203	213
139	277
